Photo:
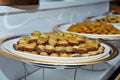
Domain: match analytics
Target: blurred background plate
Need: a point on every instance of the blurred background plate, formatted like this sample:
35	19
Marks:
64	27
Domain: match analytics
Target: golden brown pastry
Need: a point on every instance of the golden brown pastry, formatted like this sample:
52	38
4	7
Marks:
42	40
100	49
44	53
19	46
54	54
59	44
30	47
59	49
52	41
33	38
49	49
77	49
69	49
40	48
34	52
24	39
73	42
62	43
109	19
79	38
95	27
64	55
92	53
36	33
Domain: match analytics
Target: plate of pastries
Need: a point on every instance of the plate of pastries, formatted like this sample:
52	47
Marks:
91	29
108	18
60	47
113	19
115	8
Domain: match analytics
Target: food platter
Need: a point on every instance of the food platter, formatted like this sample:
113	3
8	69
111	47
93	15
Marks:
7	50
63	27
9	46
112	19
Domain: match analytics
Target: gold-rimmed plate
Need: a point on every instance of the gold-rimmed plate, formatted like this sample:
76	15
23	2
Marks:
6	44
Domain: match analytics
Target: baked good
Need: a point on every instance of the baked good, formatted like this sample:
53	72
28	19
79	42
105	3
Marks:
44	53
109	19
49	49
95	27
41	40
40	48
33	38
30	47
62	43
59	44
64	55
36	33
54	54
69	49
60	49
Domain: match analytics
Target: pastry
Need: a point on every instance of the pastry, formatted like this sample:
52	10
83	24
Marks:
64	55
77	49
54	54
39	48
62	43
33	38
73	42
95	27
59	49
69	49
36	33
59	44
44	53
52	41
49	49
30	47
42	40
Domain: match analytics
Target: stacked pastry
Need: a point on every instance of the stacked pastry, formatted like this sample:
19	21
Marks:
59	44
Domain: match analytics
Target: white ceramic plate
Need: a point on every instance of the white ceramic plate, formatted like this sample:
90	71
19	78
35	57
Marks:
8	45
64	28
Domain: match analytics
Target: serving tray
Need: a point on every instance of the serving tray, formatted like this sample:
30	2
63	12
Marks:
7	50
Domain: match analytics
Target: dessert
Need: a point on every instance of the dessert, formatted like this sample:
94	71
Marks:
59	44
29	47
39	48
49	49
60	49
97	27
54	54
109	19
